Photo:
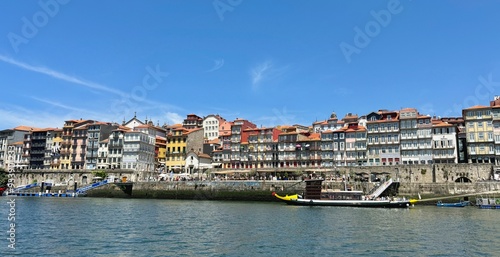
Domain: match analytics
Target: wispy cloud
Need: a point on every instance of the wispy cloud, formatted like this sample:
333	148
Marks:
174	118
265	71
65	107
61	76
258	73
218	63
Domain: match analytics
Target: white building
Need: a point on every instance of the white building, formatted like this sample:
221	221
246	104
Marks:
138	154
211	126
444	142
102	155
197	162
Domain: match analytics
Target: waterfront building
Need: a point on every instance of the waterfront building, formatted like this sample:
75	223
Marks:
459	125
479	129
96	132
194	140
197	163
225	139
262	147
383	138
115	144
495	114
326	146
138	154
424	135
444	142
158	135
16	159
192	121
79	147
102	154
331	124
160	153
355	145
326	128
339	154
176	148
8	137
409	138
212	125
67	151
53	155
35	143
237	147
287	148
309	150
43	147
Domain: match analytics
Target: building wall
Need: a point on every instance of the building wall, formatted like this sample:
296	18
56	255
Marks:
480	135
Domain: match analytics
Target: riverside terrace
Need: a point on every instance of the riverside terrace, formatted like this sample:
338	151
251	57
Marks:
429	173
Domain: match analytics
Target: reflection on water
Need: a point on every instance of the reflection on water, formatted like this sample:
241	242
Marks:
138	227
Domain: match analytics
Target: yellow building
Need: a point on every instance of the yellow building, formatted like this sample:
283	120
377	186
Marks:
479	129
55	162
160	152
176	149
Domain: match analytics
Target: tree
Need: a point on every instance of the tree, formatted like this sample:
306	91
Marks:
99	173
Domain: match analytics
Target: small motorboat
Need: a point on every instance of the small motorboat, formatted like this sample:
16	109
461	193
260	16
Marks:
458	204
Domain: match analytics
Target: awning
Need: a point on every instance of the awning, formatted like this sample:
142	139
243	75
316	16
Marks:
230	171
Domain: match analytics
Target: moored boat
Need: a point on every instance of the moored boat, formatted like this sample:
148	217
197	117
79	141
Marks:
314	196
488	203
458	204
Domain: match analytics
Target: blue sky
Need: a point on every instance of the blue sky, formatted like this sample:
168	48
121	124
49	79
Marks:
272	62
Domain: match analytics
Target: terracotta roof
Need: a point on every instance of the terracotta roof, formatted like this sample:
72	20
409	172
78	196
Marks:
213	141
441	124
477	107
289	133
320	122
189	131
17	143
104	141
24	128
204	155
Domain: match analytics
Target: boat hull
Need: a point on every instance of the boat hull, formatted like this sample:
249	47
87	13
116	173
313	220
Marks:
295	200
460	204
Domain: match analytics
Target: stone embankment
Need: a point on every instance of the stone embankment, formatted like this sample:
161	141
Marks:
261	190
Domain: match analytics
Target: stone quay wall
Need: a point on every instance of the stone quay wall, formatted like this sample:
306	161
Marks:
426	180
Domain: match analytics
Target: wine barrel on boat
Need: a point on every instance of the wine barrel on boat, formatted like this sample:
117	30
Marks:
313	189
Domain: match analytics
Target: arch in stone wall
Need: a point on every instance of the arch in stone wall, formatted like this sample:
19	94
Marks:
462	180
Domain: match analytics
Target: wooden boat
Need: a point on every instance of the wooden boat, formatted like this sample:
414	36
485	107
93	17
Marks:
314	196
488	203
459	204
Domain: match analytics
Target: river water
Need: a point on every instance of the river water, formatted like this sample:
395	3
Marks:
145	227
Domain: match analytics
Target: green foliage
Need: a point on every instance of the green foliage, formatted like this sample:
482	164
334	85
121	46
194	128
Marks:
99	173
423	171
